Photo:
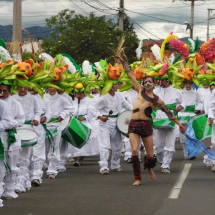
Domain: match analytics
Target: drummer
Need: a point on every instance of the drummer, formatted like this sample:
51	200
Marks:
87	114
12	147
63	143
140	124
39	155
32	112
165	139
60	109
193	105
5	123
209	104
109	106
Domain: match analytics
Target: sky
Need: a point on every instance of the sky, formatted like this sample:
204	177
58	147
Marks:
152	18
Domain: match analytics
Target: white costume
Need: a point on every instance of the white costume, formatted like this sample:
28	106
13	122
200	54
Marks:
164	140
12	152
32	112
203	93
59	106
191	98
110	136
87	110
5	123
63	143
39	156
209	107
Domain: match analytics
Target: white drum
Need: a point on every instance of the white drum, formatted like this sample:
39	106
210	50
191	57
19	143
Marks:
123	121
28	137
65	122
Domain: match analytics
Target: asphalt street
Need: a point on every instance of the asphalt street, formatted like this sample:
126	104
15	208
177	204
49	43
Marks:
83	191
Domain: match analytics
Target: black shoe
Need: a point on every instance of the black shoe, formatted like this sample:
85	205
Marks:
35	183
192	158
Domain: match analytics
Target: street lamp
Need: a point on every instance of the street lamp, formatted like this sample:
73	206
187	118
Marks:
191	24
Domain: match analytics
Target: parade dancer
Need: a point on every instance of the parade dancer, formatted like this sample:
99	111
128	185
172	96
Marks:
109	106
64	143
193	105
140	123
38	156
165	139
87	114
32	112
60	109
5	123
13	145
209	107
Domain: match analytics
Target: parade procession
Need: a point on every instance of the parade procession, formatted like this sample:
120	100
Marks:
55	111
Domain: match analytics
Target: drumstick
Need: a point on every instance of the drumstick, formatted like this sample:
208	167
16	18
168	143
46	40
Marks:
52	122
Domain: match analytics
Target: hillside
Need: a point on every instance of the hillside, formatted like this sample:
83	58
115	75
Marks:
6	32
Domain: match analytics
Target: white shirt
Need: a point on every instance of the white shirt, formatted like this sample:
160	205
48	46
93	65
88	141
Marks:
59	106
169	95
191	97
115	103
203	93
17	120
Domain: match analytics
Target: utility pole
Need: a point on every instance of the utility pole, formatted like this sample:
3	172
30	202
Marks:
192	19
191	24
121	15
209	11
17	20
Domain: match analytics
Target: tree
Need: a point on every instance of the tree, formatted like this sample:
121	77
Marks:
86	38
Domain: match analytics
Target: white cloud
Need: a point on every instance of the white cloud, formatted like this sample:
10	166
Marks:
147	13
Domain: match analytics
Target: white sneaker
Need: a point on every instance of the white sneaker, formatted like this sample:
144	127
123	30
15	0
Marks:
105	172
213	168
51	176
117	170
61	170
129	160
165	170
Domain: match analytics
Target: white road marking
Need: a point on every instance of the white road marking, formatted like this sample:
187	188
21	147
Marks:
179	183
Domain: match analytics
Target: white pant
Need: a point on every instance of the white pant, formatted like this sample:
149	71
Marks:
207	160
110	139
53	154
165	146
63	154
23	179
127	145
2	174
12	158
183	143
38	158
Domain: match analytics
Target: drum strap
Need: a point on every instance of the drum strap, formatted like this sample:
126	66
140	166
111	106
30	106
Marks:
11	136
49	135
2	157
27	122
79	116
111	116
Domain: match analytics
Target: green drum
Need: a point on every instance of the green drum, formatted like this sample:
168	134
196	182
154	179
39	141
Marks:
184	119
163	124
76	133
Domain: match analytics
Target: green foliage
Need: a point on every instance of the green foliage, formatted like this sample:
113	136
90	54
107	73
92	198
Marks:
86	38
